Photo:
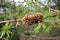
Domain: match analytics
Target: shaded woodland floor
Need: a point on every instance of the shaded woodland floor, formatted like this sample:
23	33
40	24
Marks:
28	34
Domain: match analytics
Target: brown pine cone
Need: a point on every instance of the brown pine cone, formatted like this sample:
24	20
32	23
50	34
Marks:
26	20
39	16
30	19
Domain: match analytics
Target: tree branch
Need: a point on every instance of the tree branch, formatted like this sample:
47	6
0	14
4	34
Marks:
50	9
10	20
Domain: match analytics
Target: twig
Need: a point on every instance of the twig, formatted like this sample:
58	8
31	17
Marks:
10	21
50	9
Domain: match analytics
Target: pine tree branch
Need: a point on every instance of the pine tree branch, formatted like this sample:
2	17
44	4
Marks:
50	9
10	21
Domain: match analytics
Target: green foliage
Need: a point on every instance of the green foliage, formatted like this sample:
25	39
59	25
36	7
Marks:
5	30
47	29
29	2
20	11
38	27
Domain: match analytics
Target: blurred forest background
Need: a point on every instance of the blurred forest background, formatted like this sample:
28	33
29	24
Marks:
10	10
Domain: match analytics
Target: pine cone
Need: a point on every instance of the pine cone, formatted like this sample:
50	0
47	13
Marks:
30	19
26	20
38	17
